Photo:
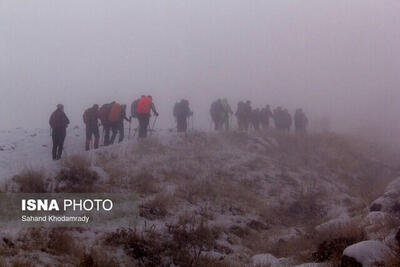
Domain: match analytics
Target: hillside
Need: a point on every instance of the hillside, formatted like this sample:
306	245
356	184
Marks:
208	199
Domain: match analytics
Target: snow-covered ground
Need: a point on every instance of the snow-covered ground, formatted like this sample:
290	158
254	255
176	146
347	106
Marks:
21	148
268	198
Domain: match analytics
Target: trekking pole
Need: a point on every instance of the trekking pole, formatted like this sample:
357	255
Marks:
154	123
129	133
102	137
152	128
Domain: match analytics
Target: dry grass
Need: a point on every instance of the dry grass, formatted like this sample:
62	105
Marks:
368	188
382	227
76	177
325	245
184	244
60	241
55	241
31	181
99	258
144	183
76	161
205	185
158	207
22	263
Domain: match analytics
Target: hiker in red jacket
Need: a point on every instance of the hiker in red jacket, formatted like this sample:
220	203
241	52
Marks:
144	106
58	123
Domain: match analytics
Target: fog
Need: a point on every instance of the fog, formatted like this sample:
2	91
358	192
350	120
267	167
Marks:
333	58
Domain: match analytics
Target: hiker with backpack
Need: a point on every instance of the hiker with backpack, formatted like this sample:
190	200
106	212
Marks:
117	117
227	113
240	115
181	113
266	114
143	109
256	119
105	122
278	116
247	115
217	114
90	118
300	121
286	120
58	123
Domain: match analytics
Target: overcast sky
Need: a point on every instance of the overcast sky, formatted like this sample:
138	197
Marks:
338	58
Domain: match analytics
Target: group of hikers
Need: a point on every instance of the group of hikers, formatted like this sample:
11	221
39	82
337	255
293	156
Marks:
257	118
111	117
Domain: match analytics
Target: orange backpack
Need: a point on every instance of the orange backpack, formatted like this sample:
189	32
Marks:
143	105
115	113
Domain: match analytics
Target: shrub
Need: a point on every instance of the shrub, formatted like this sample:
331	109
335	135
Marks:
334	239
145	247
31	181
76	177
60	241
98	258
183	244
156	208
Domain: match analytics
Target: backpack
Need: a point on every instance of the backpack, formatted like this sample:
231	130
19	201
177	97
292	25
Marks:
58	120
115	113
104	112
86	116
90	116
143	105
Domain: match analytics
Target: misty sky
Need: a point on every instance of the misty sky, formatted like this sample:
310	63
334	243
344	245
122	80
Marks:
339	57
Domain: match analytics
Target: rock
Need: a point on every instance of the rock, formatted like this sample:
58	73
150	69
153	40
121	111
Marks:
258	226
350	262
375	207
397	237
366	253
390	200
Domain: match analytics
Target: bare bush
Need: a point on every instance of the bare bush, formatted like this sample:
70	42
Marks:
31	181
60	241
76	161
99	258
184	244
146	247
76	177
190	241
334	239
144	183
22	263
158	207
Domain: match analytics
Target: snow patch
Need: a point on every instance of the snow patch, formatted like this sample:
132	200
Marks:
368	252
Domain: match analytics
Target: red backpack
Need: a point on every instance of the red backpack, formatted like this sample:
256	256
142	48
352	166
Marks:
143	105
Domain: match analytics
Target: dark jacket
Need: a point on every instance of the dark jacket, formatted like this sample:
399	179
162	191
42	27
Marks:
58	120
91	116
182	110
